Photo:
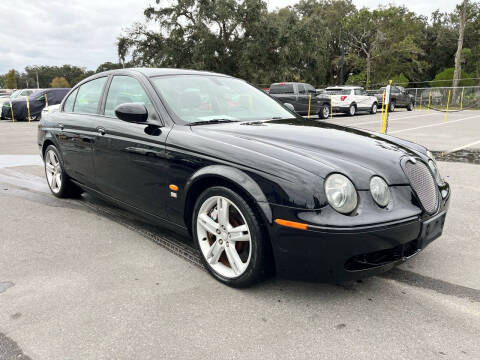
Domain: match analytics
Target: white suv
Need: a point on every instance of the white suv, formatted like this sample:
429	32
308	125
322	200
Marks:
350	99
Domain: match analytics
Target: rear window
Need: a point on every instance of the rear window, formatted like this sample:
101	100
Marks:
338	91
281	89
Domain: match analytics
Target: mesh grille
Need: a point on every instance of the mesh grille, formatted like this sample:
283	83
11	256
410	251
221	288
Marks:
423	184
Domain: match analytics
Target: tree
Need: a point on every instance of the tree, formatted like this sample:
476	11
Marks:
461	32
109	66
11	79
59	82
445	78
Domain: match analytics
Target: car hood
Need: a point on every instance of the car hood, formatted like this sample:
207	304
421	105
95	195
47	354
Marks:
316	147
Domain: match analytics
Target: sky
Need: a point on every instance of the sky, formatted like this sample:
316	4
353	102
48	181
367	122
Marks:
83	32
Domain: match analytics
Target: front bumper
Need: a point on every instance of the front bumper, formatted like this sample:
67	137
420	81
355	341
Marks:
333	254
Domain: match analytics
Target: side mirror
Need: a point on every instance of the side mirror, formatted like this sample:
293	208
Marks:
289	106
132	112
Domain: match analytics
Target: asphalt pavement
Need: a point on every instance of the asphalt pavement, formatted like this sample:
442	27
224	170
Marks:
80	279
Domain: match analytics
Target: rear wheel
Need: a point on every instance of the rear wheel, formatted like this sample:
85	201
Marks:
374	108
57	179
227	232
324	112
410	106
352	110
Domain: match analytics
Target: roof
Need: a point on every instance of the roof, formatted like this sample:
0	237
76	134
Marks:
149	72
345	87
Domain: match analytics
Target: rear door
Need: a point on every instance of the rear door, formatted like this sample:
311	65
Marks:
77	130
303	98
130	158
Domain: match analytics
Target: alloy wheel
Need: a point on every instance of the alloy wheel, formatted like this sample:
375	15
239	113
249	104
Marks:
224	237
53	171
326	112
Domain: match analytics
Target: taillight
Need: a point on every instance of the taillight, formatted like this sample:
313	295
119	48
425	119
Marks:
343	98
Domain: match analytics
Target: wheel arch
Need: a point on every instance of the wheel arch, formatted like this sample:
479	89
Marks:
232	178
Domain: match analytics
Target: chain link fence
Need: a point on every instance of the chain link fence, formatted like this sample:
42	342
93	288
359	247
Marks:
437	98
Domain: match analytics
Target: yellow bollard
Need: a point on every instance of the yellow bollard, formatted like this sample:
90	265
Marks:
448	102
384	130
381	116
309	103
429	100
46	100
331	106
461	99
28	108
11	111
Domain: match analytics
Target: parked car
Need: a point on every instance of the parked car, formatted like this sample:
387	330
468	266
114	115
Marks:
351	99
17	94
37	101
399	98
259	188
298	95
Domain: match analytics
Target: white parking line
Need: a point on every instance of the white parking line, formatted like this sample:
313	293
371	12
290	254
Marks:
463	147
433	125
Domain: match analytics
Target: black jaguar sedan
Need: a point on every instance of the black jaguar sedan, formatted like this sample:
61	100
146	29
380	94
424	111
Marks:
260	189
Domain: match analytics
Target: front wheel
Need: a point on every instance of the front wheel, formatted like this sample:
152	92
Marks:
227	232
324	112
392	106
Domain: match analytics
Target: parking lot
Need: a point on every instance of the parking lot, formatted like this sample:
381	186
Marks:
80	279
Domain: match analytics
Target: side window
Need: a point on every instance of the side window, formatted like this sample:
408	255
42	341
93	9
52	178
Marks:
68	107
125	89
358	92
88	96
310	89
301	88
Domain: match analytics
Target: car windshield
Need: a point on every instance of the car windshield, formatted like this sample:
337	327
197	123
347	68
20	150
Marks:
204	98
15	94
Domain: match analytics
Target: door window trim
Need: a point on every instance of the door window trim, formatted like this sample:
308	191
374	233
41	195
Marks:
107	89
78	88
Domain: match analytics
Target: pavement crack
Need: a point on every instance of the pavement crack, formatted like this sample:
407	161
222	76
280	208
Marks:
426	282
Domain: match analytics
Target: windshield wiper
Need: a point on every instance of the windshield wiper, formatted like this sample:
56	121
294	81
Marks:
212	121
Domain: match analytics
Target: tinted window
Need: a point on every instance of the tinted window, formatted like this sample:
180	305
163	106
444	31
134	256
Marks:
358	92
26	92
338	91
88	96
310	89
301	89
68	107
281	89
125	89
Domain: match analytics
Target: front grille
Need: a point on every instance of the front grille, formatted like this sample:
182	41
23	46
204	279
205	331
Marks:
423	184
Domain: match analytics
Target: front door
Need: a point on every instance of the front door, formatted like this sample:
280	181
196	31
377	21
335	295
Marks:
130	158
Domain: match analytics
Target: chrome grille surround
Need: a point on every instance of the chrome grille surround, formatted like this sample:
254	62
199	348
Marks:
423	184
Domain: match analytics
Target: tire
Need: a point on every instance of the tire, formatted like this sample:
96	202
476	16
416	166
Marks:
55	173
391	107
352	110
324	111
374	108
410	106
234	263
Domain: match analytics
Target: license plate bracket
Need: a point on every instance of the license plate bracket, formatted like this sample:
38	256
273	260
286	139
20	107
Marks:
432	229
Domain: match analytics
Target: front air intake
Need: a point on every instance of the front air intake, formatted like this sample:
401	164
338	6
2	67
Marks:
423	184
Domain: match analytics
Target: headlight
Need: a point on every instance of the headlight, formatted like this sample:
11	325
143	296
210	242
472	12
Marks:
380	191
341	193
432	164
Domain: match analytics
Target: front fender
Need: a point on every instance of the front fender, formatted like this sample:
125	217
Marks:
237	176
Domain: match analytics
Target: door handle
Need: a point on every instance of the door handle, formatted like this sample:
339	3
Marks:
101	130
61	126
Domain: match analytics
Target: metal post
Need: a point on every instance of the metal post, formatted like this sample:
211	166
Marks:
448	102
309	103
461	99
28	108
